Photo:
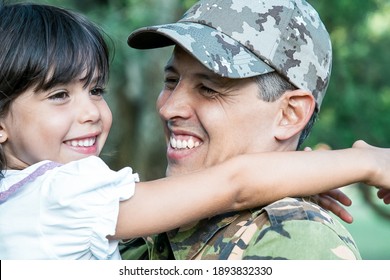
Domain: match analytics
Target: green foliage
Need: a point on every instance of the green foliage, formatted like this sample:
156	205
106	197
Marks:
358	96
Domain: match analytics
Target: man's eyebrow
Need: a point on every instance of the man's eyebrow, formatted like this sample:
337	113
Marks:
214	78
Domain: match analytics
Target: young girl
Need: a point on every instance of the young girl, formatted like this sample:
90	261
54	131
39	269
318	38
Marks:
58	200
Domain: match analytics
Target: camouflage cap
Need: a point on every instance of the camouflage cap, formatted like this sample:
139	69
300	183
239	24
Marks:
246	38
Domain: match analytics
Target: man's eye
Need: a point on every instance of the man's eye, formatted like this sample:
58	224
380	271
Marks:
170	83
208	92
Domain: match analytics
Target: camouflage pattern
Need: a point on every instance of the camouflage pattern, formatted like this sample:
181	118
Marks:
244	38
134	249
290	228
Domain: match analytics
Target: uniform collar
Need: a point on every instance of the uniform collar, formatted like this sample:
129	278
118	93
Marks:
187	242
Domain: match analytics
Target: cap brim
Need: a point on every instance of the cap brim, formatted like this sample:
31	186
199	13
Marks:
215	50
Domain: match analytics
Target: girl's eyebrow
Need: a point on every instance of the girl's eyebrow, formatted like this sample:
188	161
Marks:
95	81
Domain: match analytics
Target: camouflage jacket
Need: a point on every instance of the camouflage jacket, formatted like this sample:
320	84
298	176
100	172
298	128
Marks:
287	229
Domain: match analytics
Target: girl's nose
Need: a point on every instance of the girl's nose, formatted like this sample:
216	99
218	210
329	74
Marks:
89	111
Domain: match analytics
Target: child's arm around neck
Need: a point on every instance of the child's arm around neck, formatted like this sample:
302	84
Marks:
247	181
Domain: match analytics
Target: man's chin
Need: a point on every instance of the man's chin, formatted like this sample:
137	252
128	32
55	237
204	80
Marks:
179	170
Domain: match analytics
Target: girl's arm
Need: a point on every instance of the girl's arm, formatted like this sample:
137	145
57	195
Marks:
247	181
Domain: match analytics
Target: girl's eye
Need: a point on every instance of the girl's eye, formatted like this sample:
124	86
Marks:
59	95
98	91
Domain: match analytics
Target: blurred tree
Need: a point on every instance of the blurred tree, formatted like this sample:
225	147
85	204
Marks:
358	95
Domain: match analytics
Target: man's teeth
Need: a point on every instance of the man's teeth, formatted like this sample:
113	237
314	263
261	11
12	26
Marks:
183	144
82	143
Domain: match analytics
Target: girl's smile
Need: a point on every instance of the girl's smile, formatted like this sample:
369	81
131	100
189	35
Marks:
85	145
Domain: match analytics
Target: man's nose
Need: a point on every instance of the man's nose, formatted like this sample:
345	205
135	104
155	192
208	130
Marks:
175	104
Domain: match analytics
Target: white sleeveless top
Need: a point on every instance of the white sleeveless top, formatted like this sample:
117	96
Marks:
62	212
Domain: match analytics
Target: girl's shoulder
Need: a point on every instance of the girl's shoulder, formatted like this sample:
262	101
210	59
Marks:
87	175
85	166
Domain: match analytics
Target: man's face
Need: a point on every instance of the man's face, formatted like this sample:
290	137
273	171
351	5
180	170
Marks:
208	119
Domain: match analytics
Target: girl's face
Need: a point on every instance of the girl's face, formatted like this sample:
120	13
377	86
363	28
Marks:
62	124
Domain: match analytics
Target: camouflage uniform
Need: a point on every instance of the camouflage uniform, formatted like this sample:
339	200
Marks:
287	229
290	228
240	39
134	249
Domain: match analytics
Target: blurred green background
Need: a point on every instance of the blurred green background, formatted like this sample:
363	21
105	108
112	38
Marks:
356	106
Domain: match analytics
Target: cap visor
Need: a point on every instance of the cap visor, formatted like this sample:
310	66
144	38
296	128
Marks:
215	50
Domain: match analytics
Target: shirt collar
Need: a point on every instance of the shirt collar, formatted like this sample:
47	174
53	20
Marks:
187	242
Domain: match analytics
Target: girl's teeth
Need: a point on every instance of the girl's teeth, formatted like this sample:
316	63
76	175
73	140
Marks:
83	143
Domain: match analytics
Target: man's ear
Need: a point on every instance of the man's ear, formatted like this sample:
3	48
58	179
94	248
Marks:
296	110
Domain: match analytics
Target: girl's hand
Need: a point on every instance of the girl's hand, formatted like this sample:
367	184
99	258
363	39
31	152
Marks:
381	162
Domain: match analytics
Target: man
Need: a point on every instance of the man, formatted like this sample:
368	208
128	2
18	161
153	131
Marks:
245	76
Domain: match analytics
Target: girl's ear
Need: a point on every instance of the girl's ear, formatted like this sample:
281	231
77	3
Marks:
296	110
3	134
